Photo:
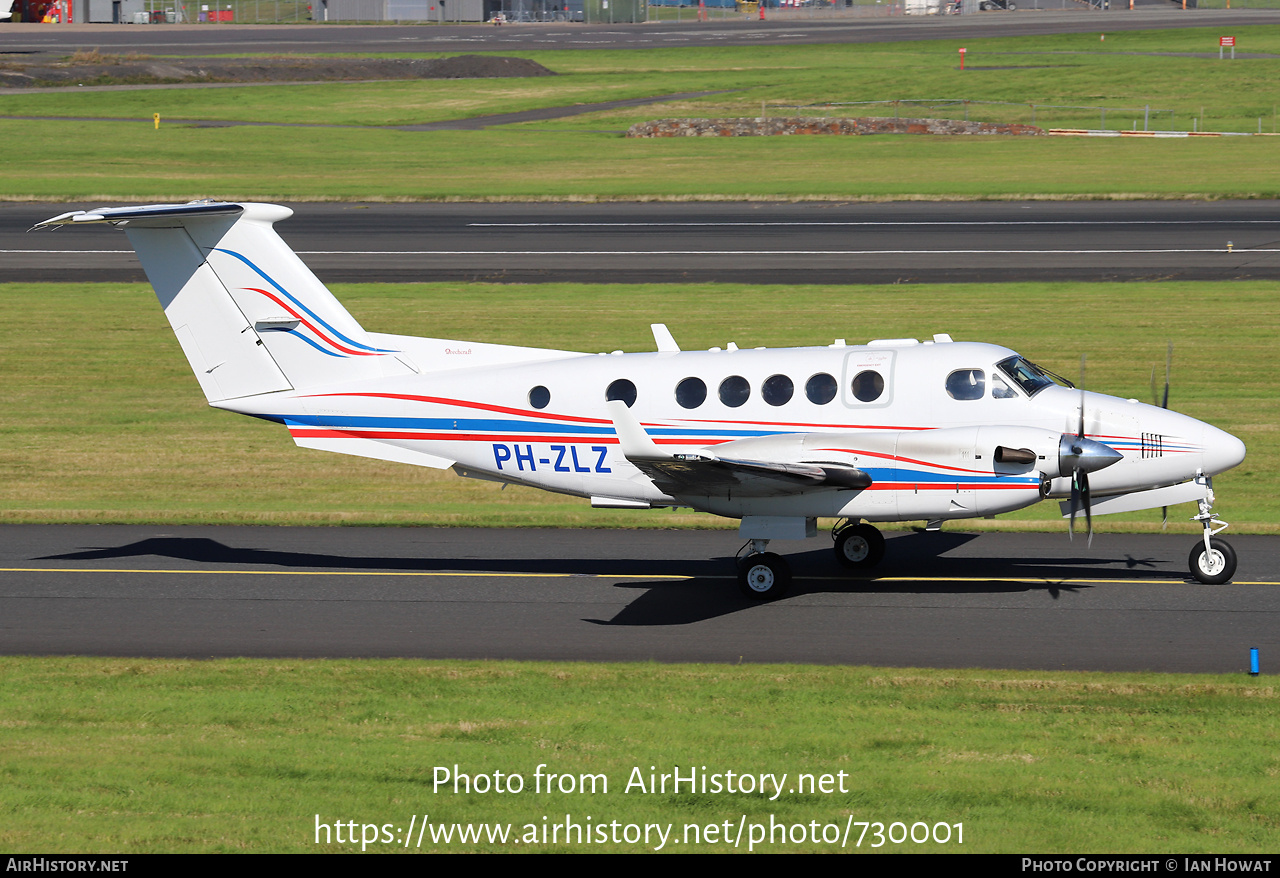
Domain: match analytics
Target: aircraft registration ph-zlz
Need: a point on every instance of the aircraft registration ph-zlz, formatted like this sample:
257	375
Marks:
893	430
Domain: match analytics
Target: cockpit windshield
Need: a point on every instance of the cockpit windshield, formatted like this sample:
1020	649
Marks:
1030	377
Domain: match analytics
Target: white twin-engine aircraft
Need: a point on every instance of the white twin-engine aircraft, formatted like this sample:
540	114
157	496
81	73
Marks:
894	430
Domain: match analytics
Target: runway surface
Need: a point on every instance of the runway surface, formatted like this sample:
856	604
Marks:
782	29
1033	601
734	243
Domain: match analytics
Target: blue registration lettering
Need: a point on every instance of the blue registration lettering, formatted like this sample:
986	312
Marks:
603	450
560	467
577	468
500	453
526	456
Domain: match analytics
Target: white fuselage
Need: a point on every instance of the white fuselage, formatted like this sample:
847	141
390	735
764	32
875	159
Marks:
927	431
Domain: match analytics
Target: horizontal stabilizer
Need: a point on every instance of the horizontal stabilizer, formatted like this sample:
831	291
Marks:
152	216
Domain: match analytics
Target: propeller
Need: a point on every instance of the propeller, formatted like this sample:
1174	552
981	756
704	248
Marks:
1080	476
1081	455
1163	402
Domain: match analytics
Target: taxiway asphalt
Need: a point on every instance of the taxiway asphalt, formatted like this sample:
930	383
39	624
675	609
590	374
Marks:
950	599
828	243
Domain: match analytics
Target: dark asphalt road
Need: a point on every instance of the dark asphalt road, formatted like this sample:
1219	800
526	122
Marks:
1032	601
736	243
782	29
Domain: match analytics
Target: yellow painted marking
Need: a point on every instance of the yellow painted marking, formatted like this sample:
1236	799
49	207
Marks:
497	575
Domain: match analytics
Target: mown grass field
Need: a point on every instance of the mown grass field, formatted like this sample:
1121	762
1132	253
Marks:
1176	73
103	755
105	422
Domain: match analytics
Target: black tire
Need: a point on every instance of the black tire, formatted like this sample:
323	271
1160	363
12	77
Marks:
764	576
1215	567
859	546
1011	6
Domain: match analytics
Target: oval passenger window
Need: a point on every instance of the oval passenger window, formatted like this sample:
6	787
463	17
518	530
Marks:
691	393
820	389
621	389
868	385
777	390
734	391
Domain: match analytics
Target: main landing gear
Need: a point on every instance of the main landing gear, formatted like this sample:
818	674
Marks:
1212	561
858	545
765	576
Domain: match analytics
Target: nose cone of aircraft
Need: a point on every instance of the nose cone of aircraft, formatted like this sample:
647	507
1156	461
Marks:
1222	451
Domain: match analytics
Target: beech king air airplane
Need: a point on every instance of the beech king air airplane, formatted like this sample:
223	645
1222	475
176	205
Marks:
893	430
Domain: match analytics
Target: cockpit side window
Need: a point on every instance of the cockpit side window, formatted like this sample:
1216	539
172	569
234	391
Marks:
1000	390
1030	377
967	384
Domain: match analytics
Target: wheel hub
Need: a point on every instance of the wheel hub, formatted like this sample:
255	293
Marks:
856	548
760	578
1212	562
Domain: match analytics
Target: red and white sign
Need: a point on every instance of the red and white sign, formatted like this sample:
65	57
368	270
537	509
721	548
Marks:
1227	42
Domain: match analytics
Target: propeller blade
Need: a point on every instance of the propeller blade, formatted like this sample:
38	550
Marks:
1080	431
1075	507
1168	366
1080	497
1088	506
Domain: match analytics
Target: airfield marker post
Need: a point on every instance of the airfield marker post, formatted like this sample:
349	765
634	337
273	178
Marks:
1253	662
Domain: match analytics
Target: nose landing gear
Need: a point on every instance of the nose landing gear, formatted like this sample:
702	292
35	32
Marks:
1212	561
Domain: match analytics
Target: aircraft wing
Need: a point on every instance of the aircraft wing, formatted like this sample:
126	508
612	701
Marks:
702	474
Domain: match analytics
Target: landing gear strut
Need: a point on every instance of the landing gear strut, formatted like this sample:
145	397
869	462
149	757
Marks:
858	545
1212	561
763	575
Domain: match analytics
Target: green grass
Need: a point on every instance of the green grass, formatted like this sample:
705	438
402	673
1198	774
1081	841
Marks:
1127	69
349	165
127	755
105	423
584	157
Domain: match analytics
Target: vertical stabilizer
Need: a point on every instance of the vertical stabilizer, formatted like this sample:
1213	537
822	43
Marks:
250	316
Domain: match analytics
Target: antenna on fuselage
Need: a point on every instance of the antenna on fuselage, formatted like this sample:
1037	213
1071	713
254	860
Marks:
663	338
